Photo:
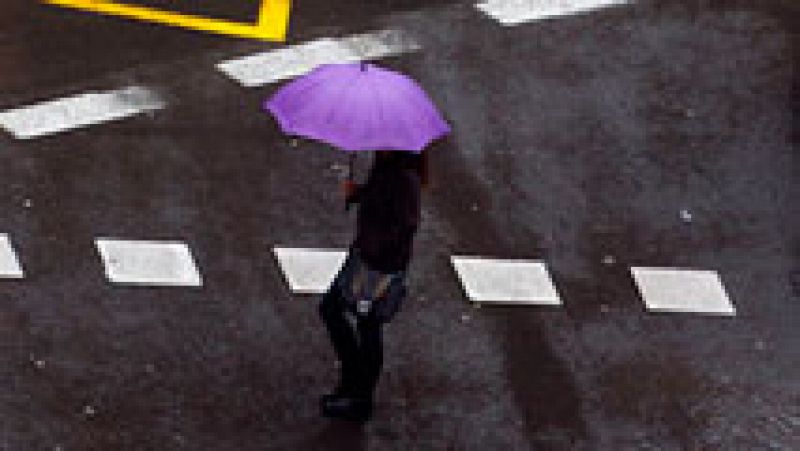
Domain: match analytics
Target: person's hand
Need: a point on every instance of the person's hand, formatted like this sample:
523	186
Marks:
349	188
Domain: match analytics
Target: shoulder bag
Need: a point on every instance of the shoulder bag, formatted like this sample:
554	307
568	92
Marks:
367	291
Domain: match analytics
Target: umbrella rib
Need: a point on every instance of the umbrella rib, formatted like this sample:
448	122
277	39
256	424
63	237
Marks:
295	94
425	105
339	98
420	98
401	114
379	105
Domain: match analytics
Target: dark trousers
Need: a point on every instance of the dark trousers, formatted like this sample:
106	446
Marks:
360	351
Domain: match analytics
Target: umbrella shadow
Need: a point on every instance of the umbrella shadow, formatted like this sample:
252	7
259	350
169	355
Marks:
541	382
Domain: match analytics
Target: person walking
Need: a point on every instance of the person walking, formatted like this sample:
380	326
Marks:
387	221
357	107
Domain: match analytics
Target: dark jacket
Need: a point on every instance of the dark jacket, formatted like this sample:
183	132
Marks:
388	217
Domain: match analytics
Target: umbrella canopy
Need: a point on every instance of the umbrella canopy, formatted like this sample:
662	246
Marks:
357	107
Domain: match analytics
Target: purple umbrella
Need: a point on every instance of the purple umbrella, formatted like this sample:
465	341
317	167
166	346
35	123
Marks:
357	107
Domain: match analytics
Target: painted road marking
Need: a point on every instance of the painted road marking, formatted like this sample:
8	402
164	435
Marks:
9	263
510	282
515	12
309	271
682	290
273	17
78	111
156	263
272	66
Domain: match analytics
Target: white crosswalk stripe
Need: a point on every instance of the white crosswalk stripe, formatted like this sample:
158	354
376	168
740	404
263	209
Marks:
515	12
288	62
10	267
69	113
517	282
486	281
682	290
309	271
156	263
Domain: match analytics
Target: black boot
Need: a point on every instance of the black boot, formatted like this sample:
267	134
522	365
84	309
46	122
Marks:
338	392
351	408
346	387
352	403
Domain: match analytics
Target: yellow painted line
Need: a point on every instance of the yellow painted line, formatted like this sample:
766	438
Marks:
273	18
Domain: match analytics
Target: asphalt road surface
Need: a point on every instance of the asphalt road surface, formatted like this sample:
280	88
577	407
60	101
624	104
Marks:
577	140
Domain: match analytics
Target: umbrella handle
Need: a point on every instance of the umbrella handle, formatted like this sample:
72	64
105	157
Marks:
349	177
350	166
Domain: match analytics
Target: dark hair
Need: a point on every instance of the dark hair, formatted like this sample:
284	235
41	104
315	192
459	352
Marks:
402	160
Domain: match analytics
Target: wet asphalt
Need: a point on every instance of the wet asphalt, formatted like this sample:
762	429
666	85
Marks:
573	139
